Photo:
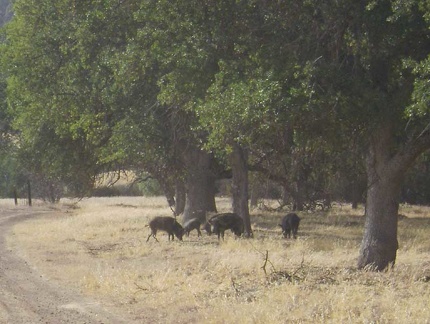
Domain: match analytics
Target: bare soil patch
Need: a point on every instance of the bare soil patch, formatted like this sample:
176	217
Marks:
27	295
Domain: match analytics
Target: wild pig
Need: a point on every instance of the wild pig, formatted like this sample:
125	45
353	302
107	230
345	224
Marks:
167	224
219	223
290	223
192	224
208	226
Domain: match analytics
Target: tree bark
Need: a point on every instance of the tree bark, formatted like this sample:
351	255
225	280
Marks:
379	245
385	172
239	168
170	197
200	185
165	184
300	183
299	196
180	195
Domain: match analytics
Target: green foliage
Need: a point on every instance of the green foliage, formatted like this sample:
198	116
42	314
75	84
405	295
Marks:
150	188
246	114
102	85
11	175
59	89
416	190
420	106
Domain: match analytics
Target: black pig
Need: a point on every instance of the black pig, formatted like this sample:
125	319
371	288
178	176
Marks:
167	224
192	224
219	223
290	223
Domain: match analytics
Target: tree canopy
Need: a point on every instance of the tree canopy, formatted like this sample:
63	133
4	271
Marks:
311	93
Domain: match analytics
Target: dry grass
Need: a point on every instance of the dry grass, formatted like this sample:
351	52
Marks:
99	248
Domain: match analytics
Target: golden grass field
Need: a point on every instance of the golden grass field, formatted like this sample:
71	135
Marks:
98	246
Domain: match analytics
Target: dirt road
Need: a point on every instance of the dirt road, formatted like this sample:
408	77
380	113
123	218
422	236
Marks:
27	297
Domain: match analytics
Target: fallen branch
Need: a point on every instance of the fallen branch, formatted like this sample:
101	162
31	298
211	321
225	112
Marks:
140	288
266	260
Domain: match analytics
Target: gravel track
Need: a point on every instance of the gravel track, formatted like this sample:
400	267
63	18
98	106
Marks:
27	297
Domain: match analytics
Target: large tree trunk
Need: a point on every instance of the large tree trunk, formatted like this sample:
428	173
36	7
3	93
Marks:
384	178
200	185
301	179
385	170
299	196
170	197
166	186
240	186
180	195
379	245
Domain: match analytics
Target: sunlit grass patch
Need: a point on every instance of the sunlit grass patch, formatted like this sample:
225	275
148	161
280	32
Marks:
99	247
